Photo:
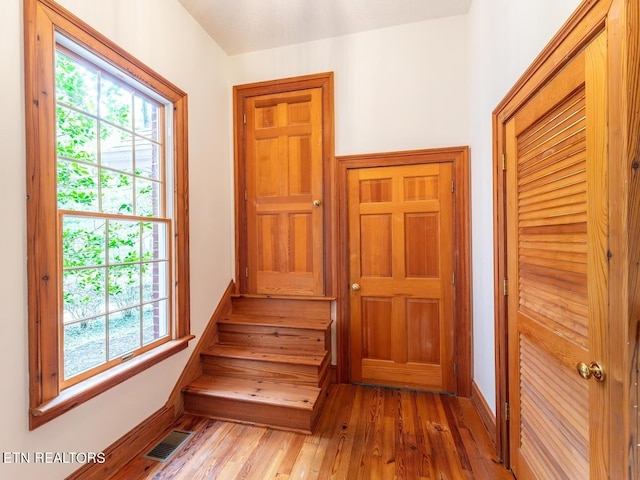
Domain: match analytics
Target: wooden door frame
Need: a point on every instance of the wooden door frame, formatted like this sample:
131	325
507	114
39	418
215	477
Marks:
622	19
240	95
459	157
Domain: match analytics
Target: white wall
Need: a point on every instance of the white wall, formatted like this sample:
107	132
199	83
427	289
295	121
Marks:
164	36
398	88
505	36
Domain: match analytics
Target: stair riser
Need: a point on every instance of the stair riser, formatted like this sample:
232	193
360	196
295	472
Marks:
248	412
281	307
274	337
262	370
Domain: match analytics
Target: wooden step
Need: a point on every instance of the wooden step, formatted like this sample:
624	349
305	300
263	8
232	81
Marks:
272	296
266	354
269	364
302	307
278	405
299	368
274	332
301	323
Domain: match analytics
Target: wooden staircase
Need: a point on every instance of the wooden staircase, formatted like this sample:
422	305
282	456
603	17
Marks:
269	364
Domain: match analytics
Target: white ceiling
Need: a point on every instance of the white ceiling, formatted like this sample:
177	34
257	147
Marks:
241	26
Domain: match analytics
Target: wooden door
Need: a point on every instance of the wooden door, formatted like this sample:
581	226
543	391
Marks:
558	271
401	274
284	198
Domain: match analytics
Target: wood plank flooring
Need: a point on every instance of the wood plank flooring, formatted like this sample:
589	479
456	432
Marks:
364	433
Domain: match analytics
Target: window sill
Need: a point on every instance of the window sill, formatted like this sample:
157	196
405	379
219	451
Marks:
86	390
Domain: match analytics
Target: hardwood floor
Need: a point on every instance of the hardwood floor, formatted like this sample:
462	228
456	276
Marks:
364	433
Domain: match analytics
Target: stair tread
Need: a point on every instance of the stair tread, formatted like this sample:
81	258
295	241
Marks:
266	354
301	397
267	296
277	321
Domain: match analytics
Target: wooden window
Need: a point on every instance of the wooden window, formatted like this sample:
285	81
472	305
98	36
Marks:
107	213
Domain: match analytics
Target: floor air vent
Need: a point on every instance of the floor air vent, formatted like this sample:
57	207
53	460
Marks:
169	445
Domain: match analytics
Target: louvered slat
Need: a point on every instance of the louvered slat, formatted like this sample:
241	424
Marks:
554	439
552	216
574	104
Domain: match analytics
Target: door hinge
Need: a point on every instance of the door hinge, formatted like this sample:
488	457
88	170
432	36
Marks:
244	118
504	162
507	411
455	369
246	272
246	196
454	278
453	186
505	287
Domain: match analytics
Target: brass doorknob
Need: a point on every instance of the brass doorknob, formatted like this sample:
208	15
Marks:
355	287
594	369
317	203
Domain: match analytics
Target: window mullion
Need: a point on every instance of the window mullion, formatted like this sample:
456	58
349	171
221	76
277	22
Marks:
141	287
99	144
107	316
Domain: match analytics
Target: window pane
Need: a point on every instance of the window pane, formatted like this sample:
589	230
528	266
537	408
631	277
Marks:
148	198
115	103
83	242
85	346
111	164
77	186
154	241
116	148
117	192
76	135
124	286
155	323
146	114
147	159
76	85
124	332
154	281
83	293
124	241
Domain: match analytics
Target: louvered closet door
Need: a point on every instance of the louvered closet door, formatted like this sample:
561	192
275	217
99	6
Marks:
557	269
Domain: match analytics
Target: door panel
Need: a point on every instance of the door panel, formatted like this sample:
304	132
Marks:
401	249
284	178
557	265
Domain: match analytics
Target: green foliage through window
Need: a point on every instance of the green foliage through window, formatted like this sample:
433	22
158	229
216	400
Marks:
114	237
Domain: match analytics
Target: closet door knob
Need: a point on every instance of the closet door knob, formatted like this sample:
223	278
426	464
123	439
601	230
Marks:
593	370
